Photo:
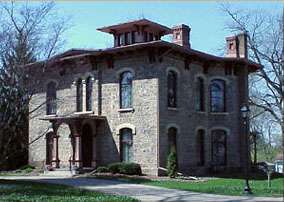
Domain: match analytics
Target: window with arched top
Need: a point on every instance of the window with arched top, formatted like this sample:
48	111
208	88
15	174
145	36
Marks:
200	95
219	147
89	94
126	142
217	95
126	79
172	139
79	95
172	89
200	147
51	98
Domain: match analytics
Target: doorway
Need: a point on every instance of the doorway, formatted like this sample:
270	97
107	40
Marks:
87	146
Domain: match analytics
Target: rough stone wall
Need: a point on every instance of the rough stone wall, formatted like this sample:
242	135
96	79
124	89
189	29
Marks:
188	120
144	115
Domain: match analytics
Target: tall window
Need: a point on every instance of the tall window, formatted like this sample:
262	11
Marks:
219	147
126	90
200	147
172	139
199	95
172	88
51	98
89	94
217	95
79	96
126	141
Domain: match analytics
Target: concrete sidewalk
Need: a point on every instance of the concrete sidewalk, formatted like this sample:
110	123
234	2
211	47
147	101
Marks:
141	192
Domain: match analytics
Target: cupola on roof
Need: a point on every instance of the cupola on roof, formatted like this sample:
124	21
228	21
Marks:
137	25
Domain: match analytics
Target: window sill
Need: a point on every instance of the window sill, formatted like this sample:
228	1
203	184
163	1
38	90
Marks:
50	115
172	108
126	110
219	113
84	112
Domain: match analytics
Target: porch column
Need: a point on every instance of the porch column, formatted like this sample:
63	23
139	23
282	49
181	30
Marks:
55	158
78	150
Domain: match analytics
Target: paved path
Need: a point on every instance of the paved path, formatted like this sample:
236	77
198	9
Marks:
141	192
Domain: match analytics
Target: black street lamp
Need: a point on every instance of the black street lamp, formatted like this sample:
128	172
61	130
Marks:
245	113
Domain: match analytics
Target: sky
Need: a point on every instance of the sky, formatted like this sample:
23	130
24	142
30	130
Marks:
205	18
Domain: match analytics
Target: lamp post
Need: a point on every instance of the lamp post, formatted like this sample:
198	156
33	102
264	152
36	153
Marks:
245	112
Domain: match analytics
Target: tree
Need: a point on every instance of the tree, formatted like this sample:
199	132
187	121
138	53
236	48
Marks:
172	164
265	43
28	33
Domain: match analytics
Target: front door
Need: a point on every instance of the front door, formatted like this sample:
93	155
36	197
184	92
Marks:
87	146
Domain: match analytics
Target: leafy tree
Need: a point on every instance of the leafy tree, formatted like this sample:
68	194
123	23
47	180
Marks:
28	33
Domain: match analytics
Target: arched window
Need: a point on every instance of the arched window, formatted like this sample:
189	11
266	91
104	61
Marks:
79	96
89	94
217	95
219	147
172	139
126	90
200	147
126	141
172	89
199	95
51	98
49	148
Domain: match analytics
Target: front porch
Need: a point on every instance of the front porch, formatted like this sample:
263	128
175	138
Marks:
76	150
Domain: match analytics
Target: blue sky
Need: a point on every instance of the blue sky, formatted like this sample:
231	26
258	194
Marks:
205	19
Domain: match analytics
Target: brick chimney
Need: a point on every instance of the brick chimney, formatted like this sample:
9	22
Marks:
237	46
181	35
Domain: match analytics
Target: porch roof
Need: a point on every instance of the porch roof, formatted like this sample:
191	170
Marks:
74	116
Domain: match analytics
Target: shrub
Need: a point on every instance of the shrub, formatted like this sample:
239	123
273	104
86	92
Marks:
172	164
114	167
102	169
125	168
27	167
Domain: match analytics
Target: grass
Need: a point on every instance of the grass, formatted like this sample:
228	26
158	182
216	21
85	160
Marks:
12	191
223	186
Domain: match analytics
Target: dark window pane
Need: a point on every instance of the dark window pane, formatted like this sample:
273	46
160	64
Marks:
145	34
79	97
126	152
126	90
51	98
219	148
200	148
172	87
133	37
217	95
89	94
127	38
150	36
199	95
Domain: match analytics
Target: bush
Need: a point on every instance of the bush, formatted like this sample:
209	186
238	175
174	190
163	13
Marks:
27	167
125	168
102	169
114	167
172	164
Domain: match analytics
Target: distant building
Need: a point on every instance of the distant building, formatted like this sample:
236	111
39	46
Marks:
134	101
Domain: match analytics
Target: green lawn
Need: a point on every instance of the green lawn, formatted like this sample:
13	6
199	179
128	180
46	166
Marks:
11	190
222	186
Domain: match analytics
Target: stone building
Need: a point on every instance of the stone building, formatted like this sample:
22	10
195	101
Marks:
139	99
